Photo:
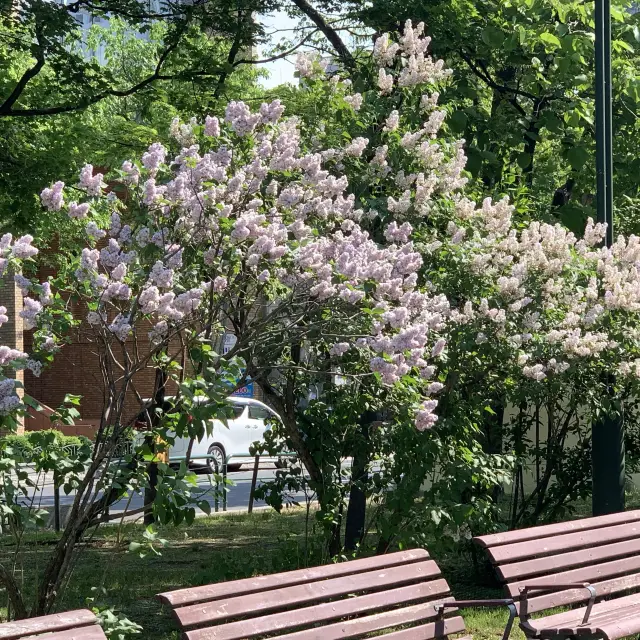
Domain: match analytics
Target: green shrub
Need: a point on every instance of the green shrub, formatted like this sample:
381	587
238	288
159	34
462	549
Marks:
31	440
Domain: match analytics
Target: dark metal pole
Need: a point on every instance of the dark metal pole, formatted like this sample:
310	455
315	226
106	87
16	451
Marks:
608	454
608	117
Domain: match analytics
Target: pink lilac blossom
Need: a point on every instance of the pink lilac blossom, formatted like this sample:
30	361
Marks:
154	157
30	312
120	327
52	198
78	211
90	183
94	232
9	399
339	348
131	173
211	126
22	248
24	284
219	284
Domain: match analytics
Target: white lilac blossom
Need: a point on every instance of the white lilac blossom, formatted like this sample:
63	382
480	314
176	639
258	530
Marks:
354	101
392	121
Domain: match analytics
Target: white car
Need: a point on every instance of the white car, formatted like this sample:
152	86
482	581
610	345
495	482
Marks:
231	441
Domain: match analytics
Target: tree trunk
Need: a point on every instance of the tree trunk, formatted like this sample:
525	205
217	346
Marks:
357	509
152	469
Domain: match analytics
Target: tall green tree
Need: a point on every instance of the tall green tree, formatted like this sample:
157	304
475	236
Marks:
61	104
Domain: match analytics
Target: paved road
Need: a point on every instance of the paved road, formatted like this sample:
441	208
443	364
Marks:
237	495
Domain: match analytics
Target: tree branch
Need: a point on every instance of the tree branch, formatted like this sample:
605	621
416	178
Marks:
26	76
279	55
7	110
233	52
485	77
13	592
329	32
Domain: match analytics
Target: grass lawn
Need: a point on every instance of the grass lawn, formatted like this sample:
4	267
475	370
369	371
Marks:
215	549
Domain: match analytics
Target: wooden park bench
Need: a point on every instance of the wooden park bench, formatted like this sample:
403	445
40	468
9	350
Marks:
402	592
591	564
81	624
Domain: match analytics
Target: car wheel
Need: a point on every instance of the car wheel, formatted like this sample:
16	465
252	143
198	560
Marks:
215	463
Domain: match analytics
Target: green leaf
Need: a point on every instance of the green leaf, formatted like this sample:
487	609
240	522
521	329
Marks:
619	45
618	15
522	34
205	506
550	39
134	546
523	160
577	157
636	32
492	36
458	121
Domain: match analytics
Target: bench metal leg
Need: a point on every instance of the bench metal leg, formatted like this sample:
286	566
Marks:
592	599
513	612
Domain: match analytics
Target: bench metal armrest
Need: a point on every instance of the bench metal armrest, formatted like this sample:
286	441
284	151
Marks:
502	602
562	586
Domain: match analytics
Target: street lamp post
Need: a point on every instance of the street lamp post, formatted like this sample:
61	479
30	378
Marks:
608	463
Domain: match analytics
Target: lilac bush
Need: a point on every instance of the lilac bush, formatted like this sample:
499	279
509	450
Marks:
310	243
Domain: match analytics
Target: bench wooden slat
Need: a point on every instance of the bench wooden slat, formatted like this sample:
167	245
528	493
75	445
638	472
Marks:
566	542
92	632
575	596
326	612
182	597
603	612
423	632
536	533
307	593
629	625
593	555
589	573
347	628
47	624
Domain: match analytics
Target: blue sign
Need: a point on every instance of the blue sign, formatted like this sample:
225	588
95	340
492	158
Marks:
244	392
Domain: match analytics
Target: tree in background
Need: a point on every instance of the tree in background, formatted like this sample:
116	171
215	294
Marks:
61	105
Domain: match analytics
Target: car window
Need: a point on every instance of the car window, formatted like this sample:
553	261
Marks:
238	410
258	413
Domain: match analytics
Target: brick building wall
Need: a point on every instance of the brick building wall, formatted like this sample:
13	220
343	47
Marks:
12	332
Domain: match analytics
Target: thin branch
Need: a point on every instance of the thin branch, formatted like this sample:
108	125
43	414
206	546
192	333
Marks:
280	55
329	32
485	77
